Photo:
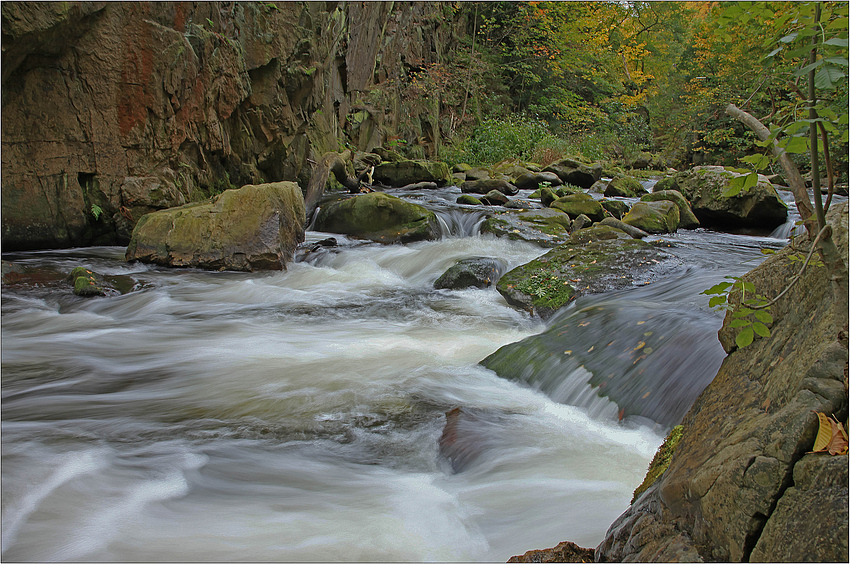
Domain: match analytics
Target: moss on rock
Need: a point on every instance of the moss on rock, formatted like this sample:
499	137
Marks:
661	460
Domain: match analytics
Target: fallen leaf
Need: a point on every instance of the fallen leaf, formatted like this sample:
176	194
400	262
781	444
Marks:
640	346
831	437
641	322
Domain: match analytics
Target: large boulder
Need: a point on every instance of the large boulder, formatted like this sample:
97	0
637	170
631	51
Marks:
256	227
740	485
575	205
378	217
403	172
544	227
597	259
760	206
687	219
532	180
654	217
575	172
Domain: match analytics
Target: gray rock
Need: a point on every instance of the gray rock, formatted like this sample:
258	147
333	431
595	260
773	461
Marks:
477	272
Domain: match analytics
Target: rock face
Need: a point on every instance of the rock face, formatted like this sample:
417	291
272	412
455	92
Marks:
252	228
378	217
761	206
128	107
740	486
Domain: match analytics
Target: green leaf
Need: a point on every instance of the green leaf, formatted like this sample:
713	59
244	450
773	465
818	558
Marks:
805	70
716	301
773	53
734	187
843	61
718	288
835	42
827	77
795	145
748	286
768	252
758	161
744	338
788	38
763	316
735	323
761	330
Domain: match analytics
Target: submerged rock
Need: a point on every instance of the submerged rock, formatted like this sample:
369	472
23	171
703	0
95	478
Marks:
596	259
477	272
256	227
544	227
379	217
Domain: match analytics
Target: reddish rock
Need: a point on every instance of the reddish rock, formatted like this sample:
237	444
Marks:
564	552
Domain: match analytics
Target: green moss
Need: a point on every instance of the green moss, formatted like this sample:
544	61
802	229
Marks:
661	460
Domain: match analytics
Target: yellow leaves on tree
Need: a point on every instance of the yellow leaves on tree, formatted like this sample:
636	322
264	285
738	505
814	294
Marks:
832	437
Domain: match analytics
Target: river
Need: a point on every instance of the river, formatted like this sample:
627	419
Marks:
295	416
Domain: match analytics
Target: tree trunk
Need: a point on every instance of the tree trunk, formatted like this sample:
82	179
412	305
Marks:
329	163
827	248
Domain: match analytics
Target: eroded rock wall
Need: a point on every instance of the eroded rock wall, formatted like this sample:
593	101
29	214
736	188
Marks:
741	485
111	110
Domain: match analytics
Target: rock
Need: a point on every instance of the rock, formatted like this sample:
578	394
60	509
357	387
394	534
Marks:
465	436
469	200
545	227
624	187
630	229
478	272
564	552
256	227
421	186
640	161
580	222
532	180
687	219
378	217
598	187
86	283
547	197
576	204
668	183
404	172
601	258
654	217
574	172
494	198
738	487
761	206
487	185
474	174
12	272
616	208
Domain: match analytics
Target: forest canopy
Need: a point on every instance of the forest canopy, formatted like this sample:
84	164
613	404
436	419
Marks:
615	79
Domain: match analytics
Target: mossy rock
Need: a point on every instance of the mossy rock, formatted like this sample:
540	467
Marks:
256	227
760	206
624	187
488	185
379	217
616	208
654	217
469	200
661	460
574	172
544	227
687	219
596	259
576	204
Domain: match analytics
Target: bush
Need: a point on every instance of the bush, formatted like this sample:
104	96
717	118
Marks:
495	140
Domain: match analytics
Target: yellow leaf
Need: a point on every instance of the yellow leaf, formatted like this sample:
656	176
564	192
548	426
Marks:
831	437
824	434
640	346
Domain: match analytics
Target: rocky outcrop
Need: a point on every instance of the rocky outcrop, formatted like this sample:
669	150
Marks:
378	217
740	485
564	552
703	187
112	110
256	227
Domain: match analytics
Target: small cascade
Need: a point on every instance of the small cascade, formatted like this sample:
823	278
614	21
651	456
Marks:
459	223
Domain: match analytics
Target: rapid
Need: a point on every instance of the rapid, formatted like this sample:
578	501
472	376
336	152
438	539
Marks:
295	416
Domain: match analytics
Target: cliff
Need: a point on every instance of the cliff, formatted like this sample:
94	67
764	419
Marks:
111	110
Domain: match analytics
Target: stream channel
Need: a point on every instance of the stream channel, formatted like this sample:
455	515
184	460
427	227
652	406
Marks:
295	416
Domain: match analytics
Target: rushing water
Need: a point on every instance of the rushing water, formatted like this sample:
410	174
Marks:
295	416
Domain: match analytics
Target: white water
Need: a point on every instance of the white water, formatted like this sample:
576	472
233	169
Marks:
290	417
